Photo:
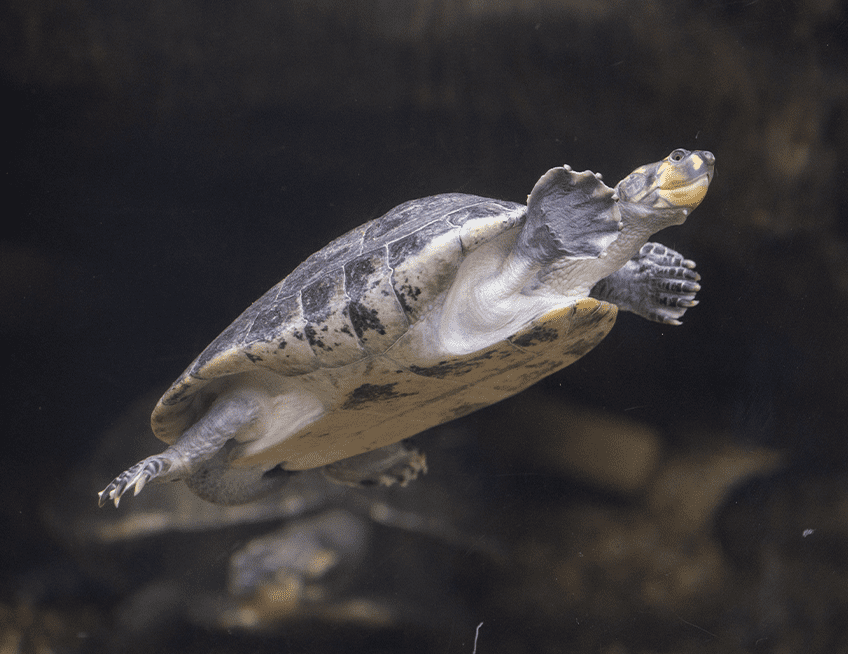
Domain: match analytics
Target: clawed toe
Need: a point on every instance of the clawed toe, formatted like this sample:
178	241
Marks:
137	477
676	301
120	484
678	287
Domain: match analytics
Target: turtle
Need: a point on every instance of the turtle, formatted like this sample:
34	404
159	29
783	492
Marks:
440	307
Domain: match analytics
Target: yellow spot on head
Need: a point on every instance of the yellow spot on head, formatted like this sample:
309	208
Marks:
686	196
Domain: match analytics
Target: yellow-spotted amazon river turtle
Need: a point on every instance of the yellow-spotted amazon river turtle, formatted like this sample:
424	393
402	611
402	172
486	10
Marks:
440	307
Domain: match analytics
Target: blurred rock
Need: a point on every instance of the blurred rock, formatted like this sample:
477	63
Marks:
284	573
611	452
691	487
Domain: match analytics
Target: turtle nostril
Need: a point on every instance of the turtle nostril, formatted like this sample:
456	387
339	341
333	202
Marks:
708	156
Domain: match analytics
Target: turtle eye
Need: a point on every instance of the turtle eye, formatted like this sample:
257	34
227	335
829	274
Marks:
678	155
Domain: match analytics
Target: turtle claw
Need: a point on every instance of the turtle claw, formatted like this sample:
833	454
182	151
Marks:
137	476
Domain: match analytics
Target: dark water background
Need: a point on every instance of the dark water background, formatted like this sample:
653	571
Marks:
166	163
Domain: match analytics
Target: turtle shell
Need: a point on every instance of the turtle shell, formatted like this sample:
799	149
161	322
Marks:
344	328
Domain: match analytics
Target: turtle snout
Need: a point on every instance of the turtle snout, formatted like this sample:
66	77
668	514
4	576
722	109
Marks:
709	160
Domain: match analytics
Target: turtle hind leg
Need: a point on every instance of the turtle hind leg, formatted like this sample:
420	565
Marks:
229	416
658	284
398	463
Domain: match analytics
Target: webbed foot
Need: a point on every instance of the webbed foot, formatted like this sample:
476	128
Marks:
658	284
138	475
393	464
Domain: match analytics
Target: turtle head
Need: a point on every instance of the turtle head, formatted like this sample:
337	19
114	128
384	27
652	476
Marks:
670	188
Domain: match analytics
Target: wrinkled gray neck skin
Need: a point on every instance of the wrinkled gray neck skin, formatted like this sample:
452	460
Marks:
637	224
577	232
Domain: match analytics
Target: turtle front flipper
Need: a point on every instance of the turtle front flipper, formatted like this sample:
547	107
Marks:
658	284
